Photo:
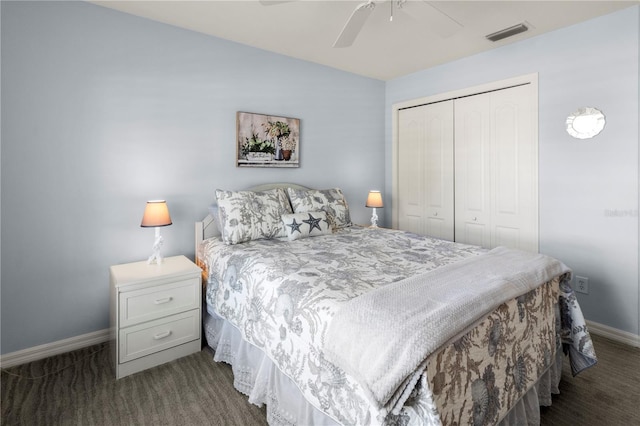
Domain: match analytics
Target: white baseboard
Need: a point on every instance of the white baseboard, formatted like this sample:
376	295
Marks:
54	348
96	337
614	334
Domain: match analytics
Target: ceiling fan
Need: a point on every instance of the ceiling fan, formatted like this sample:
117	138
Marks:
436	20
433	18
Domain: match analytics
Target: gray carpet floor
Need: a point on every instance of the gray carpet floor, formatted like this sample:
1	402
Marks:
79	388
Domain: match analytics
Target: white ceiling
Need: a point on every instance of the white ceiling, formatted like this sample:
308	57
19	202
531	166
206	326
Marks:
383	49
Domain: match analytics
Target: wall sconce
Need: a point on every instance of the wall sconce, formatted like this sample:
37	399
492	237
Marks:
374	200
156	215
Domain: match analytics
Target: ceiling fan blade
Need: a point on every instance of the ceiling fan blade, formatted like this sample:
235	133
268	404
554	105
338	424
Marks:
436	20
354	24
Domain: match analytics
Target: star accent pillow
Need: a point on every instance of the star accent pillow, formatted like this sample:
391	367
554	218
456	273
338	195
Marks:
308	224
331	201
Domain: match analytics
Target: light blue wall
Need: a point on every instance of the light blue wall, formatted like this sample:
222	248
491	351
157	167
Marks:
102	111
581	182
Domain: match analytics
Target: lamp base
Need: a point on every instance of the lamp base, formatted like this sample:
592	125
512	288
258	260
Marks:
156	257
374	219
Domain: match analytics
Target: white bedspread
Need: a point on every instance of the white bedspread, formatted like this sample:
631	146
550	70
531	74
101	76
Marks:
384	337
282	297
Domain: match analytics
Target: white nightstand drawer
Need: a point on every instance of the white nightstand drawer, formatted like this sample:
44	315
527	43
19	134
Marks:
150	337
158	301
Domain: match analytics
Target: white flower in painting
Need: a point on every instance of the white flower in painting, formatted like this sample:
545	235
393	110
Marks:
288	143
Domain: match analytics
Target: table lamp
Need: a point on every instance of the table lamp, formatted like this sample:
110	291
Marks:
156	215
374	200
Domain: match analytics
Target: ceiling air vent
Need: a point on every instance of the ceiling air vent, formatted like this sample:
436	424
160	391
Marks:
507	32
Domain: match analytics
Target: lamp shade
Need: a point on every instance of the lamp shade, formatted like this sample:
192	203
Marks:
374	199
156	214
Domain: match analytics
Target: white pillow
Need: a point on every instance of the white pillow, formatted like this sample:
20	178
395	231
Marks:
249	215
215	214
330	201
303	225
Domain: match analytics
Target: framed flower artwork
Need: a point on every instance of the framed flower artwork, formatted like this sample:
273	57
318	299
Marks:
267	140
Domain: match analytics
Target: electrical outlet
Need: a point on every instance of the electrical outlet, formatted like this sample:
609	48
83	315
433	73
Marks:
582	284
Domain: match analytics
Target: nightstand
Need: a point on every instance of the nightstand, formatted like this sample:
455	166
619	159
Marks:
155	313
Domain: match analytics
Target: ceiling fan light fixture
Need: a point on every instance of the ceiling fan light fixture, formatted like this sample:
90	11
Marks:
431	17
507	32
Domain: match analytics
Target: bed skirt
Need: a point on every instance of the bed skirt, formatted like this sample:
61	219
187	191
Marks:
257	377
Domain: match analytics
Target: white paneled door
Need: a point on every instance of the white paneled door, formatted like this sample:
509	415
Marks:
473	171
496	158
425	156
468	169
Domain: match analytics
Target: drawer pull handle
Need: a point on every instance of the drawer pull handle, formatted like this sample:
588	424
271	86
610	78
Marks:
162	335
163	300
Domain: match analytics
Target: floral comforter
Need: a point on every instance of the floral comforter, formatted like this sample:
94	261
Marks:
282	295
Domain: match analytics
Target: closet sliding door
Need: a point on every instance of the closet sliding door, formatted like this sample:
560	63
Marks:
473	170
468	169
496	175
425	159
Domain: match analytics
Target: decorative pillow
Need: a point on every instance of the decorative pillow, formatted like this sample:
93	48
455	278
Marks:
303	225
249	215
214	212
330	201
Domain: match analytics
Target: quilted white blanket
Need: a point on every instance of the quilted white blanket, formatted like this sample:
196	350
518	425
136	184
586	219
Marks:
383	338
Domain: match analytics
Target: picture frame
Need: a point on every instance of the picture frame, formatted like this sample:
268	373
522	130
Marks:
264	140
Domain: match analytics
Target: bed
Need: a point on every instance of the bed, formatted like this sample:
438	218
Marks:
327	322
